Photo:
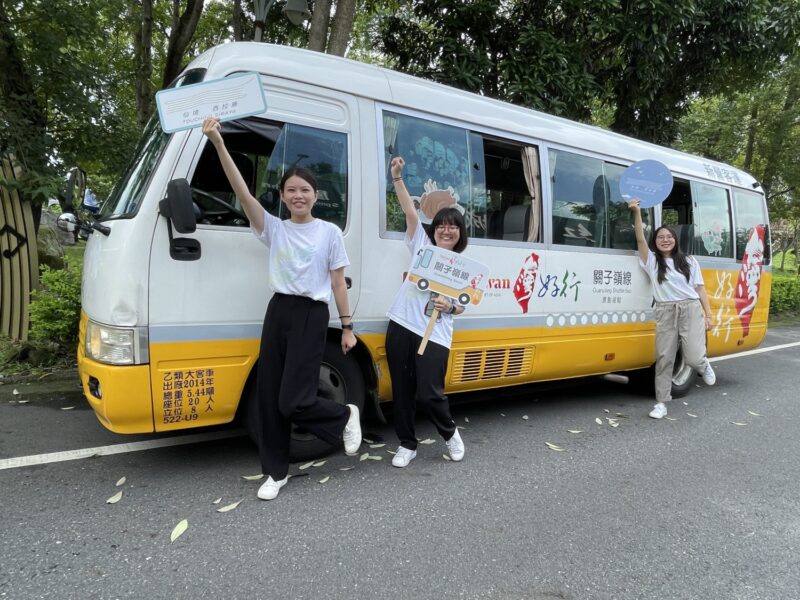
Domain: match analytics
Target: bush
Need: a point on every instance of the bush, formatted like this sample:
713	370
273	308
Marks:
785	295
56	308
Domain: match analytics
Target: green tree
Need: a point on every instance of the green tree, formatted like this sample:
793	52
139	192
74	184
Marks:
641	59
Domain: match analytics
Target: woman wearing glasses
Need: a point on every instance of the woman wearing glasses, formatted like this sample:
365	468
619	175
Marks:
420	379
683	313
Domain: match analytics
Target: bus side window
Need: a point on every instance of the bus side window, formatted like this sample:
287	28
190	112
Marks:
749	211
712	221
506	190
578	198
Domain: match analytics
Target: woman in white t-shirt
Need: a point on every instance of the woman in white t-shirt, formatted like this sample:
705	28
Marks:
683	313
419	379
306	261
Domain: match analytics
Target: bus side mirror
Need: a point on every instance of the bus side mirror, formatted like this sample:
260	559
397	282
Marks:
178	209
178	206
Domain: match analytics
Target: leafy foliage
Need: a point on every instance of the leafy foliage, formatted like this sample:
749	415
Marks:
643	59
56	308
785	295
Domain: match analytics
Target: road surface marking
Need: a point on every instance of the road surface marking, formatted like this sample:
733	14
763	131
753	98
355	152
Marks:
52	457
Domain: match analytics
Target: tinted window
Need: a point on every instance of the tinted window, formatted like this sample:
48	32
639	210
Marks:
712	221
749	212
263	151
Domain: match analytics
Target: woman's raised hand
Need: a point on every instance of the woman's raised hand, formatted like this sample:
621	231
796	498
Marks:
634	204
397	166
211	129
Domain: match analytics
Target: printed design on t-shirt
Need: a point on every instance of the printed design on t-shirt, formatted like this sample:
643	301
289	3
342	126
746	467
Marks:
292	262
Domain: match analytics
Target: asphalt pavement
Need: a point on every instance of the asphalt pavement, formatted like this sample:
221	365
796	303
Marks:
702	506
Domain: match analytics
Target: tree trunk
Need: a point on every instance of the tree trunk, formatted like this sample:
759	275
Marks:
751	137
143	56
27	137
342	27
318	33
237	20
183	28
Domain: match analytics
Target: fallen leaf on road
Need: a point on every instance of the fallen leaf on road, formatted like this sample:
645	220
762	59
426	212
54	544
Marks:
554	447
217	501
15	392
67	407
305	466
180	528
446	457
670	419
121	481
376	445
346	468
598	420
502	414
364	456
367	440
22	401
575	430
691	415
754	413
319	463
738	423
466	419
428	441
325	479
254	477
115	498
229	507
524	417
374	457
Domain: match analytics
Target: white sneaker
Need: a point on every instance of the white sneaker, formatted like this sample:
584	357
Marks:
352	431
403	457
708	375
270	488
659	411
455	446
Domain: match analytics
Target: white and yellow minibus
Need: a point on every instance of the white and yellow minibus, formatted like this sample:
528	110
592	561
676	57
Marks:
173	305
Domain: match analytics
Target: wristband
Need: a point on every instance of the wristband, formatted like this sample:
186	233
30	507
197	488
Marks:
397	179
347	326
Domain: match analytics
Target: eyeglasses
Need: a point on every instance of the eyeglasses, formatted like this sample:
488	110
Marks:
447	228
664	238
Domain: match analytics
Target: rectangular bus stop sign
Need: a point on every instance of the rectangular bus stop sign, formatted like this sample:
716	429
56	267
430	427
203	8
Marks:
229	98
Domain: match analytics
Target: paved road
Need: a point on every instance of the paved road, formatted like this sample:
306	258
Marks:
698	507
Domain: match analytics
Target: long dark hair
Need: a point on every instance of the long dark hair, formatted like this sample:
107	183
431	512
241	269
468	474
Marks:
450	216
679	259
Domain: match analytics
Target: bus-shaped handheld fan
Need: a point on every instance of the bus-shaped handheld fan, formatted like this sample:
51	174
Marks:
449	274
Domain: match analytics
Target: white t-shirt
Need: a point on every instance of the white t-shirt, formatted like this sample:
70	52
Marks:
674	287
302	256
408	308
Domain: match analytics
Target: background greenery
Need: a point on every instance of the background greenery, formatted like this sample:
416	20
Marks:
720	78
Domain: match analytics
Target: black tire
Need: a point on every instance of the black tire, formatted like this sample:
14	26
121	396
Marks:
682	378
341	380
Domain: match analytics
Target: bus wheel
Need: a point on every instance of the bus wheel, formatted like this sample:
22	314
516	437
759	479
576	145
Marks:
682	377
340	380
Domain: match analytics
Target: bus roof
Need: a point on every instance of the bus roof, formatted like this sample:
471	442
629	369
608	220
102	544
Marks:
383	85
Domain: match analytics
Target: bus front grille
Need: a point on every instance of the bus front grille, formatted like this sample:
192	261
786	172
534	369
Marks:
496	363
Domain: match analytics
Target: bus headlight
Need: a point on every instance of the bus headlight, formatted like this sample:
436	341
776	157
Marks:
111	345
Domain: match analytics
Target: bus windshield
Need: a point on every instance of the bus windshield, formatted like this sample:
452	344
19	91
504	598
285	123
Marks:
126	195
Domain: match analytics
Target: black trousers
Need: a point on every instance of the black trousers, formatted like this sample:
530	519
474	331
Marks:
292	345
417	380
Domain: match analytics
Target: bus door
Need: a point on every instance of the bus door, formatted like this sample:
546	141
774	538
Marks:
206	313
